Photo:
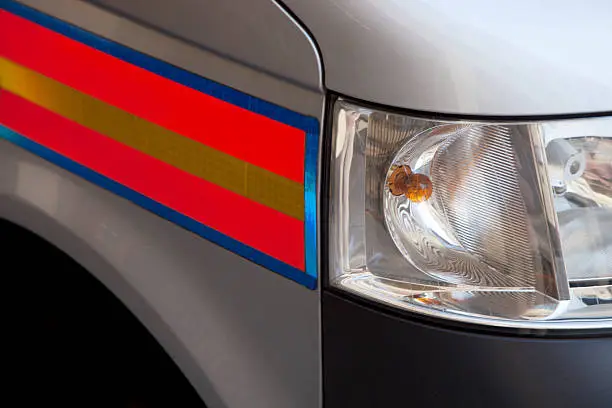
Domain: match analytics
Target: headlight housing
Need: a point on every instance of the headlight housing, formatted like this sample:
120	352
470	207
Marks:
496	223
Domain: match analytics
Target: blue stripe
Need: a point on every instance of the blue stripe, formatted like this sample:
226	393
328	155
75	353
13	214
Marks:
308	124
310	203
161	210
164	69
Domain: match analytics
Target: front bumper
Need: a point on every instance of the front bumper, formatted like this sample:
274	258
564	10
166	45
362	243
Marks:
375	359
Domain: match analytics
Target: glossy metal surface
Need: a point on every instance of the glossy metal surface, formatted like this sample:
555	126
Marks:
469	57
244	336
194	58
254	32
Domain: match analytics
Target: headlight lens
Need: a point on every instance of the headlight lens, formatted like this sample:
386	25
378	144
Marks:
506	224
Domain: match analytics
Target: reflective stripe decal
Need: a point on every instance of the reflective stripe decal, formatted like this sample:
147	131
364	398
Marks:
242	178
236	175
193	114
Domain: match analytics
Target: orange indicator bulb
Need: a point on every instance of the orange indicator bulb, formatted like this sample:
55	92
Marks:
416	187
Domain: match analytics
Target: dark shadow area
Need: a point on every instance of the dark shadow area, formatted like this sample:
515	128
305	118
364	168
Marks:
73	343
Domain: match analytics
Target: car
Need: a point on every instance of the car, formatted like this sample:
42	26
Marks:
308	203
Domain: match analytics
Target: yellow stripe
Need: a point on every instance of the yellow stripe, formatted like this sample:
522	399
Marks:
243	178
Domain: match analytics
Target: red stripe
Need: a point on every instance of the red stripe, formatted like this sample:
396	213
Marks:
241	133
253	224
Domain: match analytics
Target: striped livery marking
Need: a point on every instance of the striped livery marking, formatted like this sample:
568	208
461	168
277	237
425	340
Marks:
182	146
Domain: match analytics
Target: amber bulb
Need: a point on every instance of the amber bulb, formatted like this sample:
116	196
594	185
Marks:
416	187
419	188
398	180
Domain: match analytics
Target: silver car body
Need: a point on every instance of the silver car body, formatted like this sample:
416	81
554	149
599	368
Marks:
243	335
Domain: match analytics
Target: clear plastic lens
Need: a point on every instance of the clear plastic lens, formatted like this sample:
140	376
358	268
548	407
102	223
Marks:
580	169
503	224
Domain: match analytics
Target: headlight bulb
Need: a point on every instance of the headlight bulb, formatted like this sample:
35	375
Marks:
565	164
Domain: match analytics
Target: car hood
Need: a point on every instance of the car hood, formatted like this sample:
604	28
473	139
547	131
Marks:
466	57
